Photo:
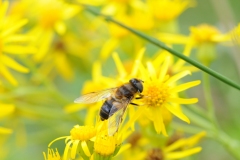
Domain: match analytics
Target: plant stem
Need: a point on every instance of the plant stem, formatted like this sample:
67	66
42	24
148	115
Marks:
208	98
163	46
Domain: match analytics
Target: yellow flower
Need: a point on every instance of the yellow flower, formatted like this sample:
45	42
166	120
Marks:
104	145
51	155
80	140
48	24
12	43
161	93
166	10
179	149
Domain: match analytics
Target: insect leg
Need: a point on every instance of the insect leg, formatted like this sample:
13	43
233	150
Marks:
134	104
140	96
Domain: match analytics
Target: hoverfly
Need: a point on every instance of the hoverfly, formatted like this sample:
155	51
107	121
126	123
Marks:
116	102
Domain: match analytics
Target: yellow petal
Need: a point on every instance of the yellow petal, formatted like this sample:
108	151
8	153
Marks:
143	71
3	10
44	46
136	62
158	121
74	107
124	148
60	27
177	77
185	86
151	71
183	101
4	71
70	11
164	69
49	145
176	145
18	38
85	148
96	71
13	64
66	150
74	148
5	130
6	109
182	154
108	48
63	65
191	141
132	120
119	65
18	49
177	113
14	28
180	62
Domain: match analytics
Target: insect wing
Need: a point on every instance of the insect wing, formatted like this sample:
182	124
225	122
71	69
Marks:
116	117
95	96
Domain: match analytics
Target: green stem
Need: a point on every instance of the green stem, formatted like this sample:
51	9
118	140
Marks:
208	98
230	144
163	46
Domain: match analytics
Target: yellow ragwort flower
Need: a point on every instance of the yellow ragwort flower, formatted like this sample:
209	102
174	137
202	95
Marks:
51	155
80	141
177	150
161	93
12	43
48	24
166	10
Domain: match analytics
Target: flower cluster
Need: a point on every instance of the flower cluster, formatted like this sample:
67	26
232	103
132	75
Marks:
52	49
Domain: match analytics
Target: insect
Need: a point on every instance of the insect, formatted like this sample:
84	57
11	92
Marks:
116	102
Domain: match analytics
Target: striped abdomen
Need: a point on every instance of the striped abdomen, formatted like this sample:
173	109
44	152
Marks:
124	93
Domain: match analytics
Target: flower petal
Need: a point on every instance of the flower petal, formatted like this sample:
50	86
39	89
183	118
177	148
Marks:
177	113
177	77
179	64
185	86
6	109
183	101
14	28
164	69
136	62
14	65
4	71
74	148
60	27
5	130
151	71
18	49
182	154
85	148
119	65
66	150
108	47
158	121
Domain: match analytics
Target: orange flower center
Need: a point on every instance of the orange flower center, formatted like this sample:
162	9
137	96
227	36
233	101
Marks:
155	94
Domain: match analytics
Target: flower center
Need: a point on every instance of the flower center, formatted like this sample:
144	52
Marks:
155	94
83	133
104	145
204	33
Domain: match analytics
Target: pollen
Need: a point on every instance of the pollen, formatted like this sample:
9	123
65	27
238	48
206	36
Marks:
156	94
83	133
104	145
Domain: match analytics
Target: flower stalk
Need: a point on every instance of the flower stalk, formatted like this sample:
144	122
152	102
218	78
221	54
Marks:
163	46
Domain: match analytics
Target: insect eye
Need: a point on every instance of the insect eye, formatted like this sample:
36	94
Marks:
137	84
